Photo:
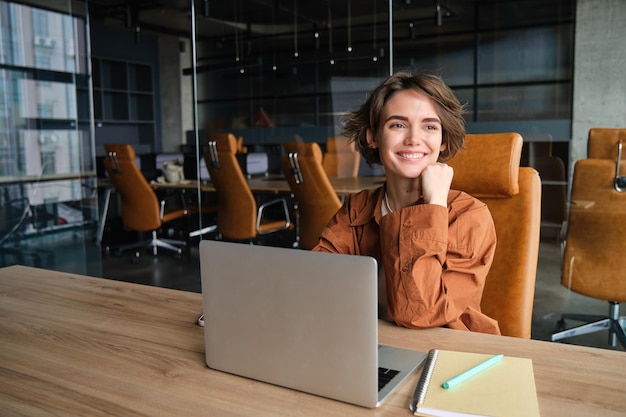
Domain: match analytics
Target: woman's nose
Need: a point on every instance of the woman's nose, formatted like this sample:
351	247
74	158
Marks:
413	137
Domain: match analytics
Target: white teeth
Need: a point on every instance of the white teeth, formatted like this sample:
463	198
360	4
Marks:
412	155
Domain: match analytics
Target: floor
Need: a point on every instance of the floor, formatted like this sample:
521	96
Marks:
552	299
165	270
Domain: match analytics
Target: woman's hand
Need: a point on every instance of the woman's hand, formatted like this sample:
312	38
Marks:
436	181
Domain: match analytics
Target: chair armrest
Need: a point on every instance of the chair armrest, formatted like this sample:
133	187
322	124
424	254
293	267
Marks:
163	202
278	201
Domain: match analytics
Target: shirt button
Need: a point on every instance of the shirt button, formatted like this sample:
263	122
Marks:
406	224
405	268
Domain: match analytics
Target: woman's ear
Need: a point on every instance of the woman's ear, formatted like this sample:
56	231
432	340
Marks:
443	155
371	142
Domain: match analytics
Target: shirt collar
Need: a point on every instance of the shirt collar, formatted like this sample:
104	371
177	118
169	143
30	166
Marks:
372	208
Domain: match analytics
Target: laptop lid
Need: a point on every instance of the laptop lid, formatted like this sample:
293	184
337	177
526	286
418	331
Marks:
298	319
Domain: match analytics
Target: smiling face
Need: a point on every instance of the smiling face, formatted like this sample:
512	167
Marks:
410	135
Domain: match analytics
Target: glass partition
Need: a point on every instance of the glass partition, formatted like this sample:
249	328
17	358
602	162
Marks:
304	65
300	65
508	60
48	190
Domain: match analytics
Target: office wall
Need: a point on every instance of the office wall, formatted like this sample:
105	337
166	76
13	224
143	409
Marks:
599	66
186	88
172	102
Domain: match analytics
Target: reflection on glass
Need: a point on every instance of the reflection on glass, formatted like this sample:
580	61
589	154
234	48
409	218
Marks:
41	39
44	151
46	99
536	54
451	56
49	152
530	102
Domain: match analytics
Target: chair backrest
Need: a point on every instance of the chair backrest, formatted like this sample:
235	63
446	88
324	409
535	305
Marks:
317	200
602	143
488	168
341	158
596	228
140	206
236	206
302	148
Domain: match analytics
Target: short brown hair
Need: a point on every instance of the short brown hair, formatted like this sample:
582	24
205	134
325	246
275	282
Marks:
367	116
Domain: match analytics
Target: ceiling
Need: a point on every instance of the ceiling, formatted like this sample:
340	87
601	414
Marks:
290	25
258	18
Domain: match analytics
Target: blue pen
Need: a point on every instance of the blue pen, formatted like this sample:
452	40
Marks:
471	372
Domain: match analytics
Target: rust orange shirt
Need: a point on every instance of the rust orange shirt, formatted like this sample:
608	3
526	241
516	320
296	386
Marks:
435	259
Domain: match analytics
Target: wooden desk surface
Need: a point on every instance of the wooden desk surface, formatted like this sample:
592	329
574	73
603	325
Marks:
77	346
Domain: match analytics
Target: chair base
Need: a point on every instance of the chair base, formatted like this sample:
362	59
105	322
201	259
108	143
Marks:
203	231
595	324
155	243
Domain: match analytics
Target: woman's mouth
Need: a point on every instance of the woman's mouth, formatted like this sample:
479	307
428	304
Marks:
411	155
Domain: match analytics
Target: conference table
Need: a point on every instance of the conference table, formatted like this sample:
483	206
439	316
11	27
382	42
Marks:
275	184
74	345
266	184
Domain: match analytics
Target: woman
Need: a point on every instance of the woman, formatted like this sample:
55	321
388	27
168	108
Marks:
434	245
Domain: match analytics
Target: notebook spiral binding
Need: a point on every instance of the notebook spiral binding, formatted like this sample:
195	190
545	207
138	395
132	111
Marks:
424	381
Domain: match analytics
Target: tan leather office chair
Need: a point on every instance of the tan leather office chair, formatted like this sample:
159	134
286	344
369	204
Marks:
488	169
341	159
316	198
141	209
595	242
602	142
238	216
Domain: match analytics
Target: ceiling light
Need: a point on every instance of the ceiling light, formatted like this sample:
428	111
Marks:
438	15
349	26
205	8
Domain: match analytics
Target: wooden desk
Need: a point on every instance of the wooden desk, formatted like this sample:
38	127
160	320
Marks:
77	346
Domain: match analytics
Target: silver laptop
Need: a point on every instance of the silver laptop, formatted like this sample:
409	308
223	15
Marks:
298	319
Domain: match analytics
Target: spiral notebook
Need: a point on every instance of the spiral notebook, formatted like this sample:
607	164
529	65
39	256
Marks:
504	389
